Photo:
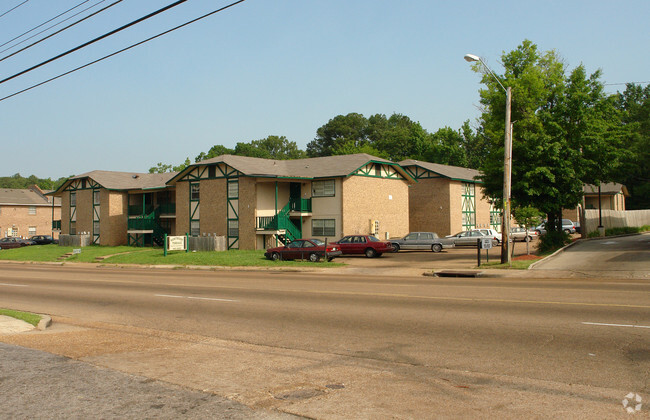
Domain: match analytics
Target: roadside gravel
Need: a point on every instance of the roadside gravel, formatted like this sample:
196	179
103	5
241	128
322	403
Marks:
39	385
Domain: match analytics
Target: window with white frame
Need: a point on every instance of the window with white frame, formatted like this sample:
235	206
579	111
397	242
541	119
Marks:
233	189
73	199
324	188
32	230
233	228
32	210
194	191
323	227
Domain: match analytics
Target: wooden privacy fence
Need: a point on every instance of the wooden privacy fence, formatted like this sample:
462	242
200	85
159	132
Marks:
207	243
78	240
616	218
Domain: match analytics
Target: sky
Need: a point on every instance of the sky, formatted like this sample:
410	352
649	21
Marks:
283	67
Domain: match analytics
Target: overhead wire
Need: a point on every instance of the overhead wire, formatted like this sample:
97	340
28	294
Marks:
44	23
13	8
60	30
92	41
123	50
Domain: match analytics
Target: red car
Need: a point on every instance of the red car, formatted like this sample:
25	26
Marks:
303	249
364	244
11	242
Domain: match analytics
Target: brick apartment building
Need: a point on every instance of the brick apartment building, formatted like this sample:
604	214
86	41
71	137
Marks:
28	212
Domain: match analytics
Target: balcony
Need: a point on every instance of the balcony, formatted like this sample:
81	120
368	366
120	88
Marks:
301	205
140	210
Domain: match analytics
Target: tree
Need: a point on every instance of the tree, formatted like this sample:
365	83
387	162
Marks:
559	131
216	150
446	146
398	136
351	128
527	216
634	105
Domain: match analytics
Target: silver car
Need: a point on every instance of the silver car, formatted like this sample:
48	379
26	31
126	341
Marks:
519	234
421	241
470	238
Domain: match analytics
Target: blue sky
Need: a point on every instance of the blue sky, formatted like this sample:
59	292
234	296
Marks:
282	67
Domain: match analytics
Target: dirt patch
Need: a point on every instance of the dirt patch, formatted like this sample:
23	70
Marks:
526	257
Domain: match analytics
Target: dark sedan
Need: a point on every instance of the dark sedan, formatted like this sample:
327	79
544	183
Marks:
364	244
42	239
304	249
10	242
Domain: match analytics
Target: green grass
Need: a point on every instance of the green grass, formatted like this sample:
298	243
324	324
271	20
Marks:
232	258
515	265
149	256
24	316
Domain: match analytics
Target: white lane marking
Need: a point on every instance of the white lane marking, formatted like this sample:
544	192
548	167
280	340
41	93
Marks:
610	243
617	325
197	298
13	285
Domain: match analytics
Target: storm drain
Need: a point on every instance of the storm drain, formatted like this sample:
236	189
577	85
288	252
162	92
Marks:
449	273
299	394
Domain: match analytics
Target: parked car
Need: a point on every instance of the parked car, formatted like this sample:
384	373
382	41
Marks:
567	226
493	233
363	244
421	241
304	249
470	237
11	242
42	239
519	234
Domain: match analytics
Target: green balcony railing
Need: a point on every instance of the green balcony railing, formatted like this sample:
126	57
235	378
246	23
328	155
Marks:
167	208
302	205
139	210
141	224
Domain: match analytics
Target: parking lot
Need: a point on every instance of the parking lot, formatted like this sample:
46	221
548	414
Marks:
407	263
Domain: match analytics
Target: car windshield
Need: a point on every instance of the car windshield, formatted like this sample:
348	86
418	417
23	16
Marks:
317	241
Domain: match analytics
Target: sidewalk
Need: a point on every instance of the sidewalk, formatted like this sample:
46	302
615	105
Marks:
9	325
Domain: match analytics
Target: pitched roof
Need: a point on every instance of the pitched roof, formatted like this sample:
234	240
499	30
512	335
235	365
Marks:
320	167
23	197
123	181
607	189
452	172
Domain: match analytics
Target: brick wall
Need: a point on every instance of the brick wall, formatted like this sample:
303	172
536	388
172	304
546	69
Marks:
19	217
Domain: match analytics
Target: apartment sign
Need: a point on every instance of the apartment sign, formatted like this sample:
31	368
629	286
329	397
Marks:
176	243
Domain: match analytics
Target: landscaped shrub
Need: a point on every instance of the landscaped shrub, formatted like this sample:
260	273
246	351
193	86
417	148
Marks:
593	234
621	230
553	240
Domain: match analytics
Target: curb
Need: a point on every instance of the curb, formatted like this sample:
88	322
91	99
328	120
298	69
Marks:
45	322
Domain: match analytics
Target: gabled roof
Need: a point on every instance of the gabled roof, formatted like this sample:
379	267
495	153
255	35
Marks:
23	197
320	167
606	189
455	173
123	181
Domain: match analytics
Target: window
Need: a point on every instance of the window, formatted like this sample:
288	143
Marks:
32	230
233	228
195	228
194	191
323	188
73	199
233	189
377	169
323	227
73	228
32	209
212	171
96	197
96	228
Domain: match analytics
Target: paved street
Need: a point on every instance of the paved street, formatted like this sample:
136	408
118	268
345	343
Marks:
352	346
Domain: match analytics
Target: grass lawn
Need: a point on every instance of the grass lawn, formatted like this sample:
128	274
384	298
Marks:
25	316
149	256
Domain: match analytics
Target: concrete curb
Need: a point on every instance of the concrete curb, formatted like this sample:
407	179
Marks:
45	322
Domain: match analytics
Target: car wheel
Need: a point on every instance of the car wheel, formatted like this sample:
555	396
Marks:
567	231
495	242
313	257
395	247
436	247
329	259
528	239
276	256
370	253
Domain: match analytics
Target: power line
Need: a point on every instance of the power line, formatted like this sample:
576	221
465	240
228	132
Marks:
60	30
99	38
13	8
122	50
47	21
626	83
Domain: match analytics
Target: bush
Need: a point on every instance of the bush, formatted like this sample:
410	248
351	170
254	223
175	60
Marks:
552	240
593	234
621	230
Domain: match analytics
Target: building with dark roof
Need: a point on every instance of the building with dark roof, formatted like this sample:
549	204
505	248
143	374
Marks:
27	212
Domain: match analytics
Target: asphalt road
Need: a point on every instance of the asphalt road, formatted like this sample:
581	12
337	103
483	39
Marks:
337	346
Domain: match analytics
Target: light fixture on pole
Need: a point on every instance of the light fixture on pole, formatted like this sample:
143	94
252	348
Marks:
507	159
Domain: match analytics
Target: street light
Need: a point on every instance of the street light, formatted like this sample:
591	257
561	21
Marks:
507	165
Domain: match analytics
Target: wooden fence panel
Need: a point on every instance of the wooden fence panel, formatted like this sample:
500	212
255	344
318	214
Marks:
616	218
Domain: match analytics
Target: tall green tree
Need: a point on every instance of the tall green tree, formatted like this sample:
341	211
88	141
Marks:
559	131
351	129
446	146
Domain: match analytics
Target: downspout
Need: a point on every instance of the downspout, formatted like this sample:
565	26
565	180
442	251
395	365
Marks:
276	213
